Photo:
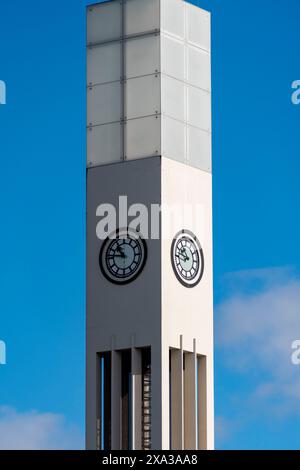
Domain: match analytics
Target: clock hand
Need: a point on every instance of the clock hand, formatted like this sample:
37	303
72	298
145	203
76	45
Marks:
182	258
121	251
183	252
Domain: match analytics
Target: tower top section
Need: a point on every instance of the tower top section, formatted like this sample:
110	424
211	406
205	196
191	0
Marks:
148	82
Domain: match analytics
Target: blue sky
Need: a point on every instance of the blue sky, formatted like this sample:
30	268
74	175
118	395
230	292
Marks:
256	220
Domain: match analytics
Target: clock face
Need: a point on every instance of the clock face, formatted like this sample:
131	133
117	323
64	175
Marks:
187	258
122	256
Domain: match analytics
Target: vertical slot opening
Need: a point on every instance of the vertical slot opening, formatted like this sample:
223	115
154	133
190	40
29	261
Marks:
190	401
126	399
176	394
104	401
146	399
170	399
202	402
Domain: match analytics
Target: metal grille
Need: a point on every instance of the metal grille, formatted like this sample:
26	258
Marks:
146	410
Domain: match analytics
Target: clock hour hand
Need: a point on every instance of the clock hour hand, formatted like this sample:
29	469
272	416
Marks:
121	251
183	253
182	258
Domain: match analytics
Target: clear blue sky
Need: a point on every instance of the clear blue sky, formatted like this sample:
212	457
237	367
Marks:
42	181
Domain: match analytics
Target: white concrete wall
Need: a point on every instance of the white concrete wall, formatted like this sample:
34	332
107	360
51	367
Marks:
149	95
188	312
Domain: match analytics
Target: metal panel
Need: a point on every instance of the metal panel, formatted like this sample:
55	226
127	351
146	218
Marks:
172	57
104	103
104	144
198	68
142	56
141	16
199	108
142	137
199	148
172	21
142	96
173	139
104	22
198	27
104	63
173	98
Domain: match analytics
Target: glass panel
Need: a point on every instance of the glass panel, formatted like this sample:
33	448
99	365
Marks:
173	17
173	139
173	98
198	27
104	144
198	68
142	137
172	57
141	16
199	108
199	148
104	22
104	103
104	63
142	56
142	96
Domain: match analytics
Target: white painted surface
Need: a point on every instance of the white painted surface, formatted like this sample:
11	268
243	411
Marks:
198	26
173	98
189	312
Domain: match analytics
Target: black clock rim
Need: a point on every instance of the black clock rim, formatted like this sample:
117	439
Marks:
191	234
139	271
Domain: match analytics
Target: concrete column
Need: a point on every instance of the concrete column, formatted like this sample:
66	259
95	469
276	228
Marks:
210	402
136	405
98	402
202	403
91	402
156	398
190	402
115	400
165	398
177	399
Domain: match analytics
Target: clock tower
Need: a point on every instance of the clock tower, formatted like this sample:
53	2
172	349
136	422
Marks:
149	227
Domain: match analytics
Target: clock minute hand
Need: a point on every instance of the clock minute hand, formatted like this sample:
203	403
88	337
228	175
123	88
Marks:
121	251
183	253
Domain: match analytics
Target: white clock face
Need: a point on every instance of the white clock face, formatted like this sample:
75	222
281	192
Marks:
187	258
123	256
